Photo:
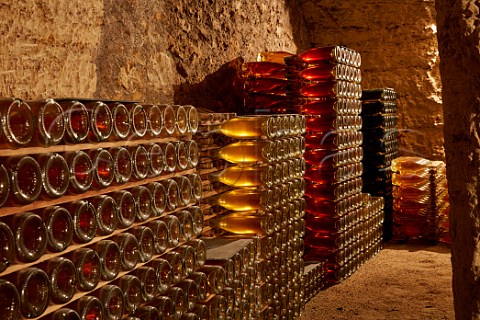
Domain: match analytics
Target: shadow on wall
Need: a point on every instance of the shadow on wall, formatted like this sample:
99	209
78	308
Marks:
220	91
299	26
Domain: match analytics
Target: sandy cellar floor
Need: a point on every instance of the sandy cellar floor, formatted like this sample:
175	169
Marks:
404	281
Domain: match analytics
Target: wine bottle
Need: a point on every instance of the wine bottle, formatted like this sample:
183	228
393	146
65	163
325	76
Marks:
33	287
4	185
10	306
122	164
185	190
103	170
88	267
107	216
175	260
77	121
163	270
159	200
172	192
169	119
190	290
165	307
179	301
49	122
249	127
197	218
148	280
84	220
246	199
170	154
182	156
188	259
63	279
55	174
121	121
126	208
193	153
232	270
7	247
248	152
90	307
215	278
101	121
387	94
64	314
149	313
154	120
273	56
132	288
139	120
59	226
113	302
26	179
109	255
246	176
17	123
263	69
173	225
181	120
140	162
160	235
247	222
145	240
157	159
266	85
128	245
192	118
143	202
196	183
186	224
81	171
30	236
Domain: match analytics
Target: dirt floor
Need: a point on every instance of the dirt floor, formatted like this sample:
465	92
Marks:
404	281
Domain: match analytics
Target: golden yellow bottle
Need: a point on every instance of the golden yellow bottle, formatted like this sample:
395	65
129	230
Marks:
249	127
248	152
246	199
246	176
247	222
273	56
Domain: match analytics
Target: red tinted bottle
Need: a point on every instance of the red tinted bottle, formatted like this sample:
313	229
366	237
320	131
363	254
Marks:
145	240
101	121
59	224
55	174
81	171
121	121
84	220
109	254
64	314
128	245
7	246
88	267
90	308
63	279
148	280
139	120
126	208
50	122
77	121
122	164
132	289
30	236
17	123
140	162
106	214
113	301
33	287
103	172
143	202
26	179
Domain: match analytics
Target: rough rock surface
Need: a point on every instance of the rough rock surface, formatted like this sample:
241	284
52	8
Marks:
397	41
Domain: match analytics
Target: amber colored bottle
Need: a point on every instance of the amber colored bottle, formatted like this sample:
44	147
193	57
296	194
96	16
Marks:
185	190
9	300
244	199
90	308
248	152
132	288
113	301
55	174
7	246
126	208
121	121
84	220
143	202
249	127
107	216
49	122
26	179
163	270
273	56
148	280
157	159
266	85
181	120
64	314
169	119
77	121
149	313
192	118
188	259
140	162
197	218
186	224
173	225
160	236
128	245
263	69
81	171
216	276
59	226
30	236
246	176
4	185
122	164
315	55
182	156
34	290
139	120
170	154
101	121
88	267
63	278
154	120
179	302
109	254
145	240
17	123
159	197
197	186
190	290
103	172
172	192
247	222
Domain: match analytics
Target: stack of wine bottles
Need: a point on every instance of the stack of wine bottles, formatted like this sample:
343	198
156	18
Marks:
420	194
380	145
99	214
267	205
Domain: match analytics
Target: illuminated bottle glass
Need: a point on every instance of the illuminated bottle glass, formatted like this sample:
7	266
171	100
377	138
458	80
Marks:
182	156
248	127
157	159
159	198
55	174
190	289
88	267
165	307
163	270
132	288
49	120
179	302
175	260
33	287
185	190
248	152
101	121
103	172
90	308
186	224
145	240
181	120
7	246
170	154
17	123
63	278
169	119
173	225
193	153
113	301
121	121
148	280
188	259
59	226
246	176
196	183
200	280
139	120
109	255
246	199
122	164
192	118
143	202
160	236
77	121
197	218
140	162
9	300
216	276
4	185
266	86
149	313
154	120
126	208
333	53
26	179
81	171
247	223
64	314
107	216
84	220
264	69
30	236
172	192
128	245
273	56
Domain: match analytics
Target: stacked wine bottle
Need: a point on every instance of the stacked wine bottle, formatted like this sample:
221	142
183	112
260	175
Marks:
266	204
99	215
380	145
421	206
